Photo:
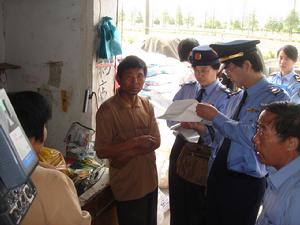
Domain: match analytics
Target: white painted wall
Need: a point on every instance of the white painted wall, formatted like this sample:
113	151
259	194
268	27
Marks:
40	31
2	45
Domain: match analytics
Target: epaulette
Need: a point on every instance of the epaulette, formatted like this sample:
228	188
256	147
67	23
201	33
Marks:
226	89
233	93
297	77
188	83
275	90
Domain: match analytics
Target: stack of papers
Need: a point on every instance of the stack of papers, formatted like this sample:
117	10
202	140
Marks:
182	111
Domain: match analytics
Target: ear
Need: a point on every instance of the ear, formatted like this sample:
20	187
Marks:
293	143
118	79
247	65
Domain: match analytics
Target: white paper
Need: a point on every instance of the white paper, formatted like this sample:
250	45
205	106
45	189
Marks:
182	111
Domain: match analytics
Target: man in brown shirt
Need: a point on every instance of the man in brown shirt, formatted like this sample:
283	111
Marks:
127	134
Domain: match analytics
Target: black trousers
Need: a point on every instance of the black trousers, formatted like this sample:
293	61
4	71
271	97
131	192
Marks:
233	198
141	211
187	200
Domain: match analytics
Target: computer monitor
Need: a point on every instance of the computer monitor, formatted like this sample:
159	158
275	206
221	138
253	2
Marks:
17	162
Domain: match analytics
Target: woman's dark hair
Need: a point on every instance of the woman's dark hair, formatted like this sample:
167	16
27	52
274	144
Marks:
290	51
287	120
33	111
185	47
131	62
253	57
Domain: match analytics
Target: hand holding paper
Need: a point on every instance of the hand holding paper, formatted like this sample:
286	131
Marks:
206	111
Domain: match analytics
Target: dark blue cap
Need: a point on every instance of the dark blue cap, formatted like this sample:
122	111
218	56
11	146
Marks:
234	49
204	56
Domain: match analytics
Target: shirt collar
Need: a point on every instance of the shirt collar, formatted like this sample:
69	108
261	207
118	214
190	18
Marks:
288	76
280	176
258	87
210	88
136	104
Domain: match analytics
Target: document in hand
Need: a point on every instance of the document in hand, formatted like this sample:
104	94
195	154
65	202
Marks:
182	111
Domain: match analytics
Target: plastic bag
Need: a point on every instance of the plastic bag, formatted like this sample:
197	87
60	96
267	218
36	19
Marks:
162	206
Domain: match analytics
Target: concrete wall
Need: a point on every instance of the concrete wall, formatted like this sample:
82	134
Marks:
54	43
2	45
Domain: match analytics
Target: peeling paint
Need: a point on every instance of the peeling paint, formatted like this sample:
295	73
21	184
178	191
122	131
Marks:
55	69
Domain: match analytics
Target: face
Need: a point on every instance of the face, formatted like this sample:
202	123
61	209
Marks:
205	75
269	146
132	81
285	63
236	74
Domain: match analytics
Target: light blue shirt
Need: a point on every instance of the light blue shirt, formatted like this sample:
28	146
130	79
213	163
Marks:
215	93
289	83
281	204
242	156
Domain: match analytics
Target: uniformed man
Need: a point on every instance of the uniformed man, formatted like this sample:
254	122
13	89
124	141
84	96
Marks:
236	182
187	199
286	77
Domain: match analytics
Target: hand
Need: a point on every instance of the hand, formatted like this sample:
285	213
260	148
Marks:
145	141
206	111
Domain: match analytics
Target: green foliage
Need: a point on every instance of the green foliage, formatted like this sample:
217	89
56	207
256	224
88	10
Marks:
212	23
139	18
189	21
179	17
156	21
252	22
274	25
292	22
122	16
236	25
269	55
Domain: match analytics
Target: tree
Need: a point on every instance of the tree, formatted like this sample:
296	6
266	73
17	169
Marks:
252	22
122	16
236	25
167	19
292	22
189	21
274	25
156	21
132	17
212	23
139	18
179	17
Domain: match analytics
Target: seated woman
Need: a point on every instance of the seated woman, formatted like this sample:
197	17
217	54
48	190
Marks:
56	202
286	77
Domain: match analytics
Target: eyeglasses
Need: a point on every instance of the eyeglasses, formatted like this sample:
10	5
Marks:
229	68
201	71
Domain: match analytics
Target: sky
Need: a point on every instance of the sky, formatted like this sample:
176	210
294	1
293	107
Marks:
223	10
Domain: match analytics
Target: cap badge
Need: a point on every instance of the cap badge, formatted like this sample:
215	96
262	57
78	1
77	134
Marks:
198	56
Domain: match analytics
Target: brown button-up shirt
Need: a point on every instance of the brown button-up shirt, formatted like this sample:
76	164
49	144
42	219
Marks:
116	122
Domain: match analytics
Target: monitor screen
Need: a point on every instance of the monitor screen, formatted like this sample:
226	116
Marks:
17	154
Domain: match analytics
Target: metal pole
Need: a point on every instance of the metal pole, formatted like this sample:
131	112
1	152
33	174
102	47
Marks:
147	17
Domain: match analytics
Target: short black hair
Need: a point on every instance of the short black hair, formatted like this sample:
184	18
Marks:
33	111
287	120
131	62
290	51
253	57
184	48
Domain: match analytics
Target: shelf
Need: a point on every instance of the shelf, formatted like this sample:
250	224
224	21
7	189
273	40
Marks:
7	66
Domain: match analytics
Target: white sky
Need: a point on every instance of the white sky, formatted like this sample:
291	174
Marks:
223	10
